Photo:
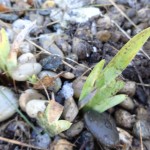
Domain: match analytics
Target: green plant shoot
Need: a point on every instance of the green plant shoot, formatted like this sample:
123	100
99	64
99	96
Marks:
99	90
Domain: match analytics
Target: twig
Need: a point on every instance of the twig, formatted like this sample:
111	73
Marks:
20	143
124	32
47	52
141	141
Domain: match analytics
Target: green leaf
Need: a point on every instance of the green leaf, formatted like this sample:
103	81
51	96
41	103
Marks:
109	102
103	93
123	58
4	49
90	81
49	119
106	85
58	127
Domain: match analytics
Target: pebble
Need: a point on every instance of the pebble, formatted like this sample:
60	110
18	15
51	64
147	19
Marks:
103	35
57	84
8	103
103	127
82	15
125	137
68	75
67	90
28	95
128	104
70	110
39	18
26	58
81	48
77	85
86	141
75	129
71	4
129	88
55	50
142	129
51	62
141	96
79	70
9	17
104	23
24	71
26	47
20	24
63	45
124	118
40	140
34	106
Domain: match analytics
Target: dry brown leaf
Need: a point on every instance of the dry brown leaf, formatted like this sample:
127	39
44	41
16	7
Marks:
46	81
62	144
3	8
55	110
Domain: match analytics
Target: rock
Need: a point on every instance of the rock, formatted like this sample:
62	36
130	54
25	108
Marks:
124	118
20	24
53	49
70	109
75	129
141	113
26	58
24	71
81	15
142	129
63	44
57	84
61	144
8	17
86	141
131	12
40	140
143	14
103	127
77	85
8	103
81	48
128	104
28	95
26	47
67	90
71	4
125	137
141	96
39	18
51	62
147	144
104	23
68	75
79	70
103	36
129	88
34	106
115	36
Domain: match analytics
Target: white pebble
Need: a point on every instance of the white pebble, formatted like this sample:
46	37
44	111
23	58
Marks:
34	106
24	71
67	90
26	58
8	103
27	96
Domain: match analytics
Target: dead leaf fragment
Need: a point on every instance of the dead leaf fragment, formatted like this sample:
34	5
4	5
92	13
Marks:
48	4
62	144
54	111
46	81
3	8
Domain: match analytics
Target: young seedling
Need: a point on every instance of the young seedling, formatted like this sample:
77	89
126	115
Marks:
101	86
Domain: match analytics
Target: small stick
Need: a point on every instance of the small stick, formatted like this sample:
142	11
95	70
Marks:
20	143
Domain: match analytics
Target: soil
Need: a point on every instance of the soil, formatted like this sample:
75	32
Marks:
87	47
